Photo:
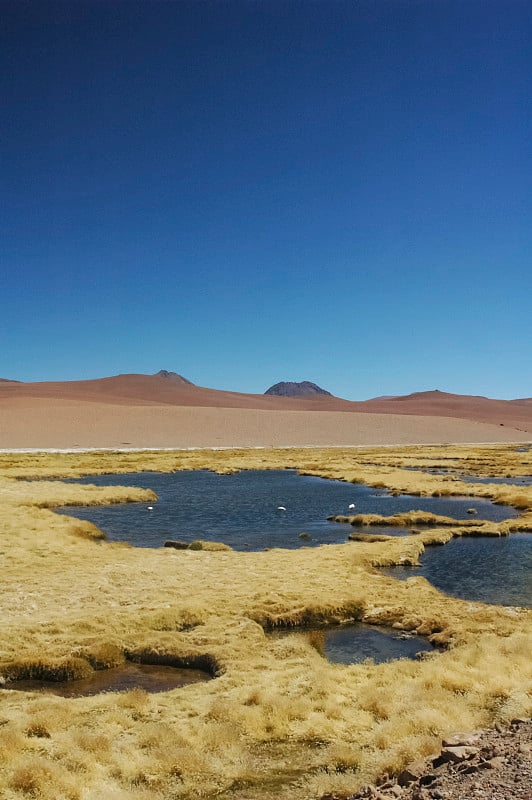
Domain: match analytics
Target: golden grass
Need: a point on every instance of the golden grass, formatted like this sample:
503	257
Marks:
279	719
402	520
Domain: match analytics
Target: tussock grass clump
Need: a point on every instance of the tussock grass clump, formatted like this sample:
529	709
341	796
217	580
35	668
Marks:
104	655
197	544
174	619
312	617
146	655
68	669
39	777
37	730
403	520
85	530
368	537
201	544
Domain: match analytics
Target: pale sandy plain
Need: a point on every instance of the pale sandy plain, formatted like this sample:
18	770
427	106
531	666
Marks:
150	411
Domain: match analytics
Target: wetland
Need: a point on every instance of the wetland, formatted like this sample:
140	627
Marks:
255	509
281	717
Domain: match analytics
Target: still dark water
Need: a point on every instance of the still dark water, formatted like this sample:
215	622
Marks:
512	480
490	569
352	644
150	677
242	510
520	480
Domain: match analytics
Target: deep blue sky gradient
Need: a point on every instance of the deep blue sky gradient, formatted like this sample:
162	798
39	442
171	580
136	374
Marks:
247	192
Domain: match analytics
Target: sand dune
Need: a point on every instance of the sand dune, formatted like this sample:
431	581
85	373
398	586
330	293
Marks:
153	411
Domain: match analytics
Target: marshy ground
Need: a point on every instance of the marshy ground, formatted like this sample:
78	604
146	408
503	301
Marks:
278	719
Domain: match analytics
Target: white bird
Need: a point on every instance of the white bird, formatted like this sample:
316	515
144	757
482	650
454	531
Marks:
281	508
150	508
351	505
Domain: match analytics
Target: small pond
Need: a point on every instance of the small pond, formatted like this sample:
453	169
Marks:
512	480
515	480
254	509
486	569
352	644
150	677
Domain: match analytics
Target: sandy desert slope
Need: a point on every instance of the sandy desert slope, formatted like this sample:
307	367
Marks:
37	423
152	411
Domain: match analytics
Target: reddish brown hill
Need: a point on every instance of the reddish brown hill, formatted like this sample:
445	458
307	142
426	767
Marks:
163	389
170	389
516	413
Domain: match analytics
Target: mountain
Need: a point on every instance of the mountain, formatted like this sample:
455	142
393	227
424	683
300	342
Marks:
293	389
166	389
173	376
435	403
162	389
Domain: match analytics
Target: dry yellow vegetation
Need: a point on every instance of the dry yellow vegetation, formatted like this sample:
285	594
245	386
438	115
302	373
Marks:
279	720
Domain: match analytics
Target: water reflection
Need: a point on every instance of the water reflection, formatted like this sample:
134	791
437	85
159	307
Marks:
353	644
244	510
488	569
150	677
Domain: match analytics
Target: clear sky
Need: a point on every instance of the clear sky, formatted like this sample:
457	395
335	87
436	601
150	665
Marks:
248	192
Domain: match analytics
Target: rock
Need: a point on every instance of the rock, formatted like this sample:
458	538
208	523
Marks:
462	739
458	753
496	767
412	772
176	545
470	769
396	791
428	779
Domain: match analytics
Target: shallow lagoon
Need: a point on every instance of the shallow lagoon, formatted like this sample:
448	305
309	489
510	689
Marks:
242	509
487	569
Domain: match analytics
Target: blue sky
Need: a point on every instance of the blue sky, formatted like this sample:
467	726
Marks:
248	192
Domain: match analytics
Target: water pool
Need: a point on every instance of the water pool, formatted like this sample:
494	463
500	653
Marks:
245	509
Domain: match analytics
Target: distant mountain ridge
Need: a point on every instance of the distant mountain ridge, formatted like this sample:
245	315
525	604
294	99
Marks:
167	388
296	389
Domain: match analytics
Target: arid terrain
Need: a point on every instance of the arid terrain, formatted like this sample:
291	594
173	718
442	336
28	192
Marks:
165	411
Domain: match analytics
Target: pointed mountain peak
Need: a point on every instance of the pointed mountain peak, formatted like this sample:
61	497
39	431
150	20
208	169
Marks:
173	376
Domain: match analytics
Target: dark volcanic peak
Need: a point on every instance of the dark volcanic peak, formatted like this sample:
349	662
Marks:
293	389
8	380
173	376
